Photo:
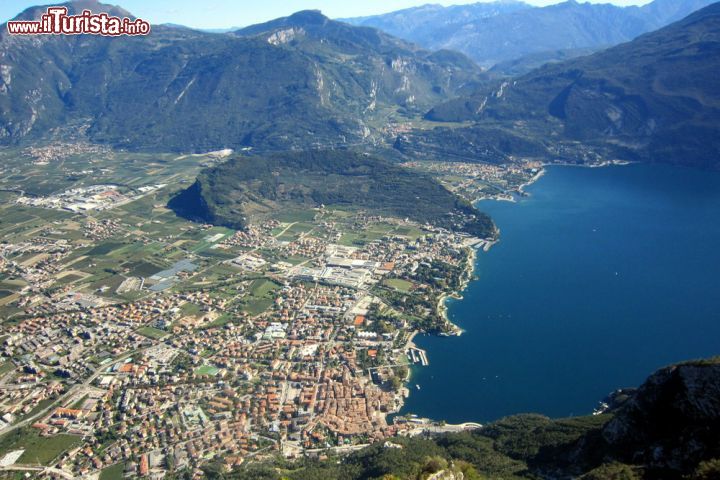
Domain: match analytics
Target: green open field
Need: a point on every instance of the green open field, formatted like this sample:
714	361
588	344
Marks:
41	405
143	268
358	239
257	306
288	233
260	298
105	248
398	284
295	216
68	279
113	472
295	259
410	232
190	309
19	220
206	370
263	287
38	450
6	367
151	332
218	322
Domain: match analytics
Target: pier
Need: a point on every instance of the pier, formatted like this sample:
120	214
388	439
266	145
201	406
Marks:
417	356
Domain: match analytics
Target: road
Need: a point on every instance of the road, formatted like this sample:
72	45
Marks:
71	391
49	470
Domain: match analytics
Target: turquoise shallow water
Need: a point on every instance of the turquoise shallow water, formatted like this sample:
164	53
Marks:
601	276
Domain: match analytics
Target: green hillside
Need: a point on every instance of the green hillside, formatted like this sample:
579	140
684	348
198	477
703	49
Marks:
245	188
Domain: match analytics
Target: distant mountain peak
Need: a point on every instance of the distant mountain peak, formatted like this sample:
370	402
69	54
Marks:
504	31
308	17
77	6
304	19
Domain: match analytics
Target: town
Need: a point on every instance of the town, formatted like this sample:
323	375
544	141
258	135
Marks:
137	343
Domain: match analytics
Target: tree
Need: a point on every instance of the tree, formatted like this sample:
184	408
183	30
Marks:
396	383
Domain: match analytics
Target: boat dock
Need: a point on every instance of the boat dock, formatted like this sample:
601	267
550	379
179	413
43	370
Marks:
417	356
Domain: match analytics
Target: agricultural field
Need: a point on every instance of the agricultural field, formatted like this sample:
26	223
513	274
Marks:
260	297
109	253
52	168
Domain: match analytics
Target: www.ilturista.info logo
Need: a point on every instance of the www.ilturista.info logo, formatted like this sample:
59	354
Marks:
57	21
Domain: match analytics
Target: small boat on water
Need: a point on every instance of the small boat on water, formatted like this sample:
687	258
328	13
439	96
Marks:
417	386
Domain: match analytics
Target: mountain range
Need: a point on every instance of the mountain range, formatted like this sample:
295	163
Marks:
656	98
306	81
297	82
512	35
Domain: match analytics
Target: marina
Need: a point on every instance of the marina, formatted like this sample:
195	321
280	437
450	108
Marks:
417	356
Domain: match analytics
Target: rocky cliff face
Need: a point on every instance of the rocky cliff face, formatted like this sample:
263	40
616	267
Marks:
672	421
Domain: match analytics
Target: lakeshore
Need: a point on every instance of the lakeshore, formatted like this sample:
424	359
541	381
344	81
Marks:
604	301
468	273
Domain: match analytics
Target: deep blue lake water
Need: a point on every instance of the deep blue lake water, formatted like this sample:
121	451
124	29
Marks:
601	276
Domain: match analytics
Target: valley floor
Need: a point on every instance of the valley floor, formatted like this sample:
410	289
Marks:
153	343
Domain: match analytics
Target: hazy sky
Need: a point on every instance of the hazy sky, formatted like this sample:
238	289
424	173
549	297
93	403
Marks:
227	13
